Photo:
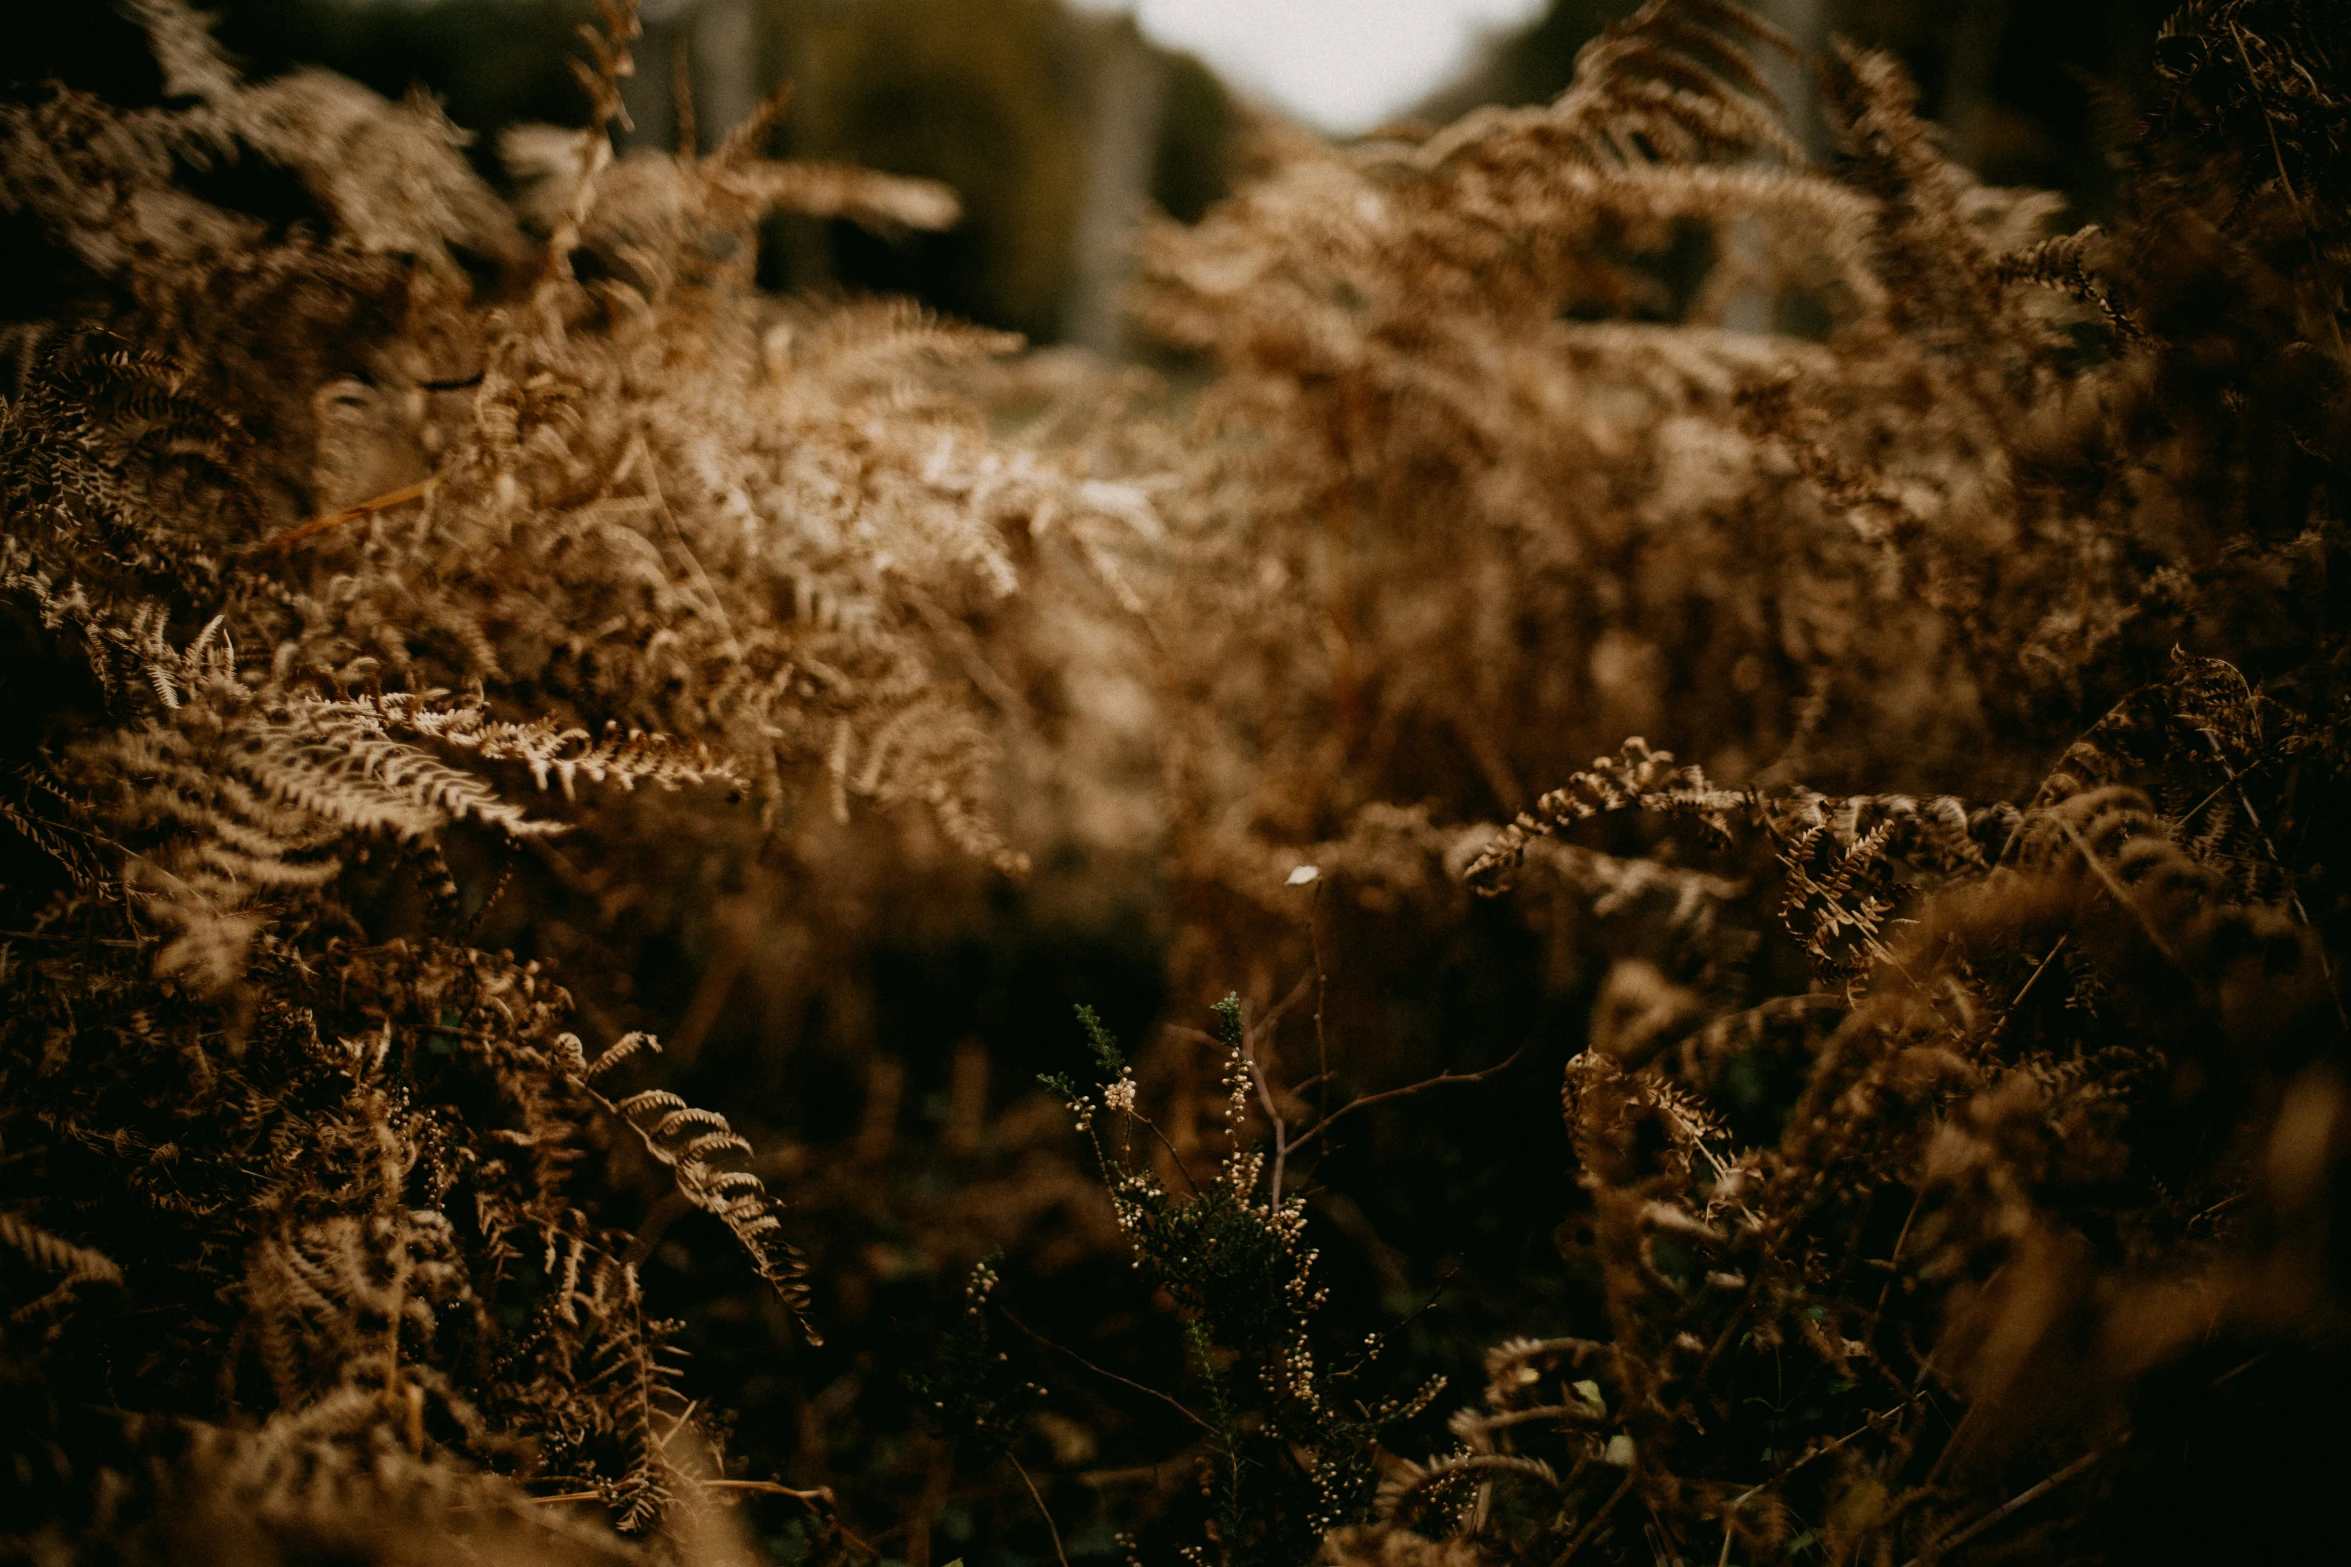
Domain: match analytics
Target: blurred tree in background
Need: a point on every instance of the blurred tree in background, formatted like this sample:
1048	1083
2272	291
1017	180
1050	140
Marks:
995	97
984	95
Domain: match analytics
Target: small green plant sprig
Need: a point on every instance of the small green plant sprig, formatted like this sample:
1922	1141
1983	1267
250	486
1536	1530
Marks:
973	1395
977	1401
1284	1459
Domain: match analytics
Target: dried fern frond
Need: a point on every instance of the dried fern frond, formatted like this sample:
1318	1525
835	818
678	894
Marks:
282	492
685	1141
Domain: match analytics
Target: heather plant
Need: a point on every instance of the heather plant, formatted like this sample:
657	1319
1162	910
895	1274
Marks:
1286	1453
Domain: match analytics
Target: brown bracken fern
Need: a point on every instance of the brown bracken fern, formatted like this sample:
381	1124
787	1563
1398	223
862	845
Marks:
330	548
1946	987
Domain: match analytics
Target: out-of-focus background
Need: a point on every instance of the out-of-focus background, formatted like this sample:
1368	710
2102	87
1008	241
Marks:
1058	123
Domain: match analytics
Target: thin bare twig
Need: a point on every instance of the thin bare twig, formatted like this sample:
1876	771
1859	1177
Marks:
822	1493
2122	894
1583	1536
1042	1511
2023	1499
1182	1168
2034	978
1435	1295
328	521
1103	1371
1441	1080
2239	1370
1273	1116
1274	1013
1894	1259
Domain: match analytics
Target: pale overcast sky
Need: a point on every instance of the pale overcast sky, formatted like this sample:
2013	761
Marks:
1343	64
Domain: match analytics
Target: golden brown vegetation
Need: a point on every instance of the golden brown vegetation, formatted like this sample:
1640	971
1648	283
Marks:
1953	1047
